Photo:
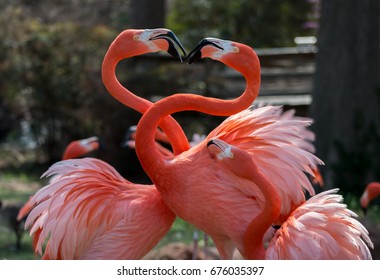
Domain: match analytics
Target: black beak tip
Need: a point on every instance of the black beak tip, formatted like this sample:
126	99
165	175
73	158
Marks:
196	53
172	40
194	56
174	52
211	142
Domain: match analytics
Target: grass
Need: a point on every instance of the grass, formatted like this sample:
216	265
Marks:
7	246
15	190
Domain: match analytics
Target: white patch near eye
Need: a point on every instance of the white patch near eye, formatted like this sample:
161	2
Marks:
83	142
146	35
227	153
145	38
227	46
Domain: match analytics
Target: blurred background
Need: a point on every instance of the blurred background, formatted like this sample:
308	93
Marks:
317	57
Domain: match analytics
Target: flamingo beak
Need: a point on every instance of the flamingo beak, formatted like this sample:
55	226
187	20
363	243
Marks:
214	149
102	146
219	149
212	142
173	41
196	53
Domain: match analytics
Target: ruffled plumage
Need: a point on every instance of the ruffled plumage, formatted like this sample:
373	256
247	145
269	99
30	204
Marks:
91	212
321	229
281	145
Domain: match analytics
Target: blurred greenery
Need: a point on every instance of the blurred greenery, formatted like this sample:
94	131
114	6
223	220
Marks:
50	65
7	250
269	23
47	77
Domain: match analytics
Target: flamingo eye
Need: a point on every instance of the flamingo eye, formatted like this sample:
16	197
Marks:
235	49
136	37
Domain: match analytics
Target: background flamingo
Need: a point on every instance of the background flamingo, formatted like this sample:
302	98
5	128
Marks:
320	228
193	186
81	147
371	191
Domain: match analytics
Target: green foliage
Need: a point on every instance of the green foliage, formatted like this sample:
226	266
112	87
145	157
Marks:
7	243
47	76
269	23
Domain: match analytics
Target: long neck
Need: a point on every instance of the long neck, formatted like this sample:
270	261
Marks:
253	237
173	130
249	66
114	87
148	154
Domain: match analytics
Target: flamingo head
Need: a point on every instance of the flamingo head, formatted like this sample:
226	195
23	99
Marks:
236	55
81	147
133	42
371	191
213	48
232	158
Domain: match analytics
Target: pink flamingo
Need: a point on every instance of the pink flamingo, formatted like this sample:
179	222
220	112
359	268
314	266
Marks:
192	185
81	147
70	210
92	212
320	228
134	42
161	137
371	191
75	149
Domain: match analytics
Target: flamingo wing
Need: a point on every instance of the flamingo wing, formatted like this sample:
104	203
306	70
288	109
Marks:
321	228
92	212
281	145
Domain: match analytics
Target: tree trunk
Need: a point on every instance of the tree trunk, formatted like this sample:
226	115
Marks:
148	14
346	93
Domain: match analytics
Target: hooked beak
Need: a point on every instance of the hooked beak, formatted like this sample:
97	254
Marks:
196	53
172	40
212	142
219	149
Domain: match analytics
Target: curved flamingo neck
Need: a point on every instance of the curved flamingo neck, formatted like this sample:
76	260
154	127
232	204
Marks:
173	130
149	156
253	237
115	88
249	66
